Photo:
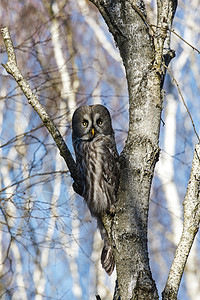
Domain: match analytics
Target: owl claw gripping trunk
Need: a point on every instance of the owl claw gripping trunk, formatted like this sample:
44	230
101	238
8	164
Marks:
98	162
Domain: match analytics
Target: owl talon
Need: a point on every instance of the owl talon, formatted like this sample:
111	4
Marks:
77	188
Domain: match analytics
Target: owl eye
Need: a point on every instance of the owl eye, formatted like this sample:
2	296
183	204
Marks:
99	122
85	123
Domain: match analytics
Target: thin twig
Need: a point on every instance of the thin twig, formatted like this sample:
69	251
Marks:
180	37
184	103
174	32
12	68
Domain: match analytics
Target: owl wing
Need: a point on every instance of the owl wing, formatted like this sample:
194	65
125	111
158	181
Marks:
110	171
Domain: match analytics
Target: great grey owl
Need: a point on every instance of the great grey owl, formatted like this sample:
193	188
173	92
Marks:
98	162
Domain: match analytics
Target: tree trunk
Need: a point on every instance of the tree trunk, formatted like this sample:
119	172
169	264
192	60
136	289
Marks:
142	55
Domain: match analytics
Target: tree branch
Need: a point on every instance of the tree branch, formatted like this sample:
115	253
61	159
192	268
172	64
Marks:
191	222
165	13
12	68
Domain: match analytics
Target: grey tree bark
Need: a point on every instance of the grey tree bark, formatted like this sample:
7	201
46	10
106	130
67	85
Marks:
143	51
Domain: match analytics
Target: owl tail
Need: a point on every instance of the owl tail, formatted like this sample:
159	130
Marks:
107	255
107	259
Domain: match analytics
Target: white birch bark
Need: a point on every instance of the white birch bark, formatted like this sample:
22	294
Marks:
68	100
20	292
99	33
166	169
12	214
67	92
73	261
39	276
104	285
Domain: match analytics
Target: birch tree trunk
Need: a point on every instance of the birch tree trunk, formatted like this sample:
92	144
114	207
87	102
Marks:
142	54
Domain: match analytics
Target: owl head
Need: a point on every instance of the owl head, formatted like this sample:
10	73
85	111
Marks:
90	121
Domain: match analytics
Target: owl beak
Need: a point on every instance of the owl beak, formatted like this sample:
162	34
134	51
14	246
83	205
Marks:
93	131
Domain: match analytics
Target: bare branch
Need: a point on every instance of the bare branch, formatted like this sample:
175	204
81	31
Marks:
180	37
191	222
175	33
166	10
12	68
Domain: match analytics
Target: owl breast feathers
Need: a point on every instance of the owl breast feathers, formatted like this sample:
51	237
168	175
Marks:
98	162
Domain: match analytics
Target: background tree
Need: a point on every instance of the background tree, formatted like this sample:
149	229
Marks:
38	205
